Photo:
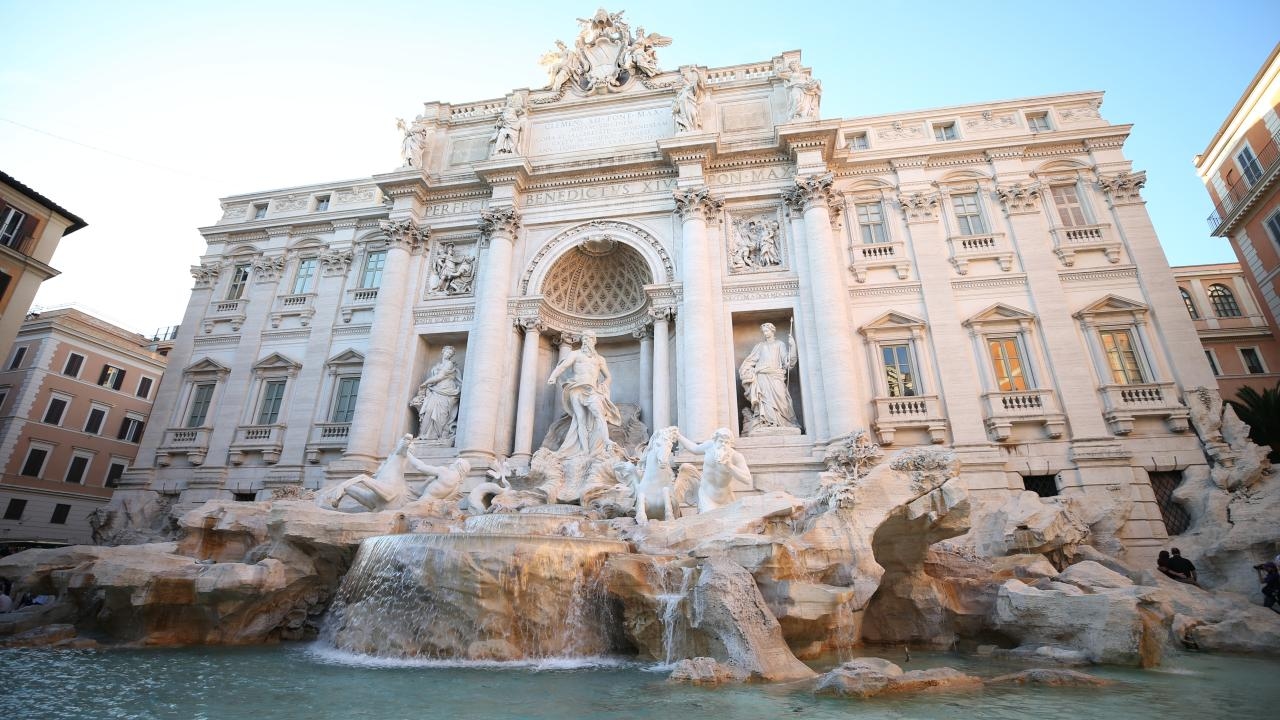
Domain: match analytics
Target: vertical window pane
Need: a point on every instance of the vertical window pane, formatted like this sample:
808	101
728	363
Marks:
75	471
60	512
239	278
1249	165
201	396
144	387
899	374
94	424
1007	363
373	266
53	415
1224	302
1067	199
1213	363
344	406
1191	306
15	508
272	395
35	462
305	280
968	215
871	223
74	362
114	473
1252	362
1122	359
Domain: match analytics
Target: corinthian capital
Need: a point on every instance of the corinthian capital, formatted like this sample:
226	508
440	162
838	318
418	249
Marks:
810	190
499	220
919	206
662	312
697	202
1018	198
1123	188
206	274
405	233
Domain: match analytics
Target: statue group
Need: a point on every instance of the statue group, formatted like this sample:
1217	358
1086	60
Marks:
604	56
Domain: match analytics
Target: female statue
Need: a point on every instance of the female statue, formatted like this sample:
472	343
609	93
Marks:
437	399
764	382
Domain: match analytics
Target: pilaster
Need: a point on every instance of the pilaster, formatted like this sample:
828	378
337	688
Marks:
700	387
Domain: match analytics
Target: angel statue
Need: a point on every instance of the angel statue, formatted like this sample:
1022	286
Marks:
641	54
563	65
804	92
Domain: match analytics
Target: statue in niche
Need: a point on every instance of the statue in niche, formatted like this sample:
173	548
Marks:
755	246
437	400
686	108
721	465
413	147
764	382
804	93
586	398
451	274
511	123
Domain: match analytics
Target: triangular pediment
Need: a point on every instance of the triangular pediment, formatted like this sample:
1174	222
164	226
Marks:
206	365
892	320
1112	304
276	361
1000	312
347	357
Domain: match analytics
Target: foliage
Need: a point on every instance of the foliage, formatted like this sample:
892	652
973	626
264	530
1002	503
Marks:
1261	412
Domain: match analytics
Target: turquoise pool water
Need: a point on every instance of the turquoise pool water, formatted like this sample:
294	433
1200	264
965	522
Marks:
310	682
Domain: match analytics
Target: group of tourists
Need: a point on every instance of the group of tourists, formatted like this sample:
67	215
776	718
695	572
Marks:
1173	565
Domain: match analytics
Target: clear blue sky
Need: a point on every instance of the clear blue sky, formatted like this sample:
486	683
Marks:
210	99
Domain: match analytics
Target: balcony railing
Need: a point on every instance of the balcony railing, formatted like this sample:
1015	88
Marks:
916	412
1238	191
266	439
1033	406
1068	241
194	442
987	246
874	255
1125	402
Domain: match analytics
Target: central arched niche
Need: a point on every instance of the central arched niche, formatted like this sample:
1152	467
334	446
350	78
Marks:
598	279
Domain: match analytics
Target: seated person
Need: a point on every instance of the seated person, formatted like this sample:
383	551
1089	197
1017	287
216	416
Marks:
1180	568
1162	564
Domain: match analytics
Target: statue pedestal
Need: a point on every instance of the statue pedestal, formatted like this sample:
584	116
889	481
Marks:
773	431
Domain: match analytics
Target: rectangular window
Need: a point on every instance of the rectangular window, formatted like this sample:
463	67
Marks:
201	397
4	395
272	396
1038	122
11	227
18	355
5	278
344	404
858	141
53	413
1252	361
114	472
1067	199
1272	121
871	222
898	371
1213	362
1122	357
968	214
374	263
1175	516
259	211
1042	485
60	513
1007	363
75	471
74	363
111	376
244	496
944	131
239	279
130	430
34	464
93	424
1273	227
15	509
1249	165
322	203
144	388
305	280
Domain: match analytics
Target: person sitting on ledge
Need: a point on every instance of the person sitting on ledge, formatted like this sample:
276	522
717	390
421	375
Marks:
1162	564
1180	568
1269	576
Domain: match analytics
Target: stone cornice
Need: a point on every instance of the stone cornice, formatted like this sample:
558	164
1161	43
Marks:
398	185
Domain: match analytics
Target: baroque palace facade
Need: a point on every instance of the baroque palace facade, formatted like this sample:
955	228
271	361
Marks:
983	276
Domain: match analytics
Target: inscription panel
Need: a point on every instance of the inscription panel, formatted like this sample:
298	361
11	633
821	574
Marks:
471	149
598	192
599	131
737	117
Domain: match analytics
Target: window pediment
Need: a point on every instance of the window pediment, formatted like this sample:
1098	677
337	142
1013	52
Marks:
999	315
207	367
275	363
346	357
893	325
1113	307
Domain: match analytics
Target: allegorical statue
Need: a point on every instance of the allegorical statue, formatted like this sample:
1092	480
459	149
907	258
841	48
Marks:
686	108
803	92
414	145
586	399
451	274
506	134
721	466
764	382
437	399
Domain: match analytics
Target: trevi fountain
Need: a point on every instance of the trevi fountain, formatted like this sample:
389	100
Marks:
632	568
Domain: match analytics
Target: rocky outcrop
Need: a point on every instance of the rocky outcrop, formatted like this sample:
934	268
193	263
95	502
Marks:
1050	677
869	677
705	671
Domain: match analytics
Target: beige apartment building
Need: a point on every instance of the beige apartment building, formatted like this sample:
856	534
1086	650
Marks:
31	225
75	394
1239	342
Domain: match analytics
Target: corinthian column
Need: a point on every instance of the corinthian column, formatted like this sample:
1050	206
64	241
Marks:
528	391
487	343
700	412
829	300
403	236
661	366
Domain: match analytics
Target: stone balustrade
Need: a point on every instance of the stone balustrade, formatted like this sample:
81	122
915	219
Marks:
923	412
1004	409
1122	403
878	255
193	442
989	246
1069	241
265	439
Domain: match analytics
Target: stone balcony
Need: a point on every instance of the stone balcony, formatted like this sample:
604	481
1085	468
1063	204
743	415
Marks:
1122	403
989	246
1004	409
301	306
923	412
327	436
268	440
194	442
358	299
1067	242
229	311
879	255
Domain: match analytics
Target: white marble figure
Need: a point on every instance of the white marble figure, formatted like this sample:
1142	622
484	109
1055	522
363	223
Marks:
563	66
686	108
764	382
586	400
511	124
657	492
721	466
605	54
804	93
414	145
385	489
437	399
445	482
451	274
641	55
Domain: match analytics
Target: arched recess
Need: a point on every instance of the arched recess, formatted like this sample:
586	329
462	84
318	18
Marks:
661	267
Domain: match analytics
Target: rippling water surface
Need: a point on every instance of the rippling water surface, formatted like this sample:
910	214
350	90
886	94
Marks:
310	682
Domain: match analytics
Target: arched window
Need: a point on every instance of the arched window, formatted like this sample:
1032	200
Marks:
1224	303
1191	306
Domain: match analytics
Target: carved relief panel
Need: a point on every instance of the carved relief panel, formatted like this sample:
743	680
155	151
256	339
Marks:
755	241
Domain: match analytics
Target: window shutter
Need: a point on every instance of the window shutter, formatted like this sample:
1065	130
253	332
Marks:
102	376
119	381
